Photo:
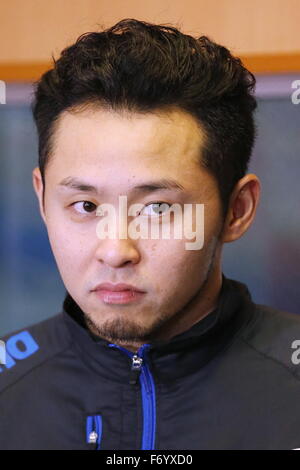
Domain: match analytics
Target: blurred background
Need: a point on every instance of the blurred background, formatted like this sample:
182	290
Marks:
264	33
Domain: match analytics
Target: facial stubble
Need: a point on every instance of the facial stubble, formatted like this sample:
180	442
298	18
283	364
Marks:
125	331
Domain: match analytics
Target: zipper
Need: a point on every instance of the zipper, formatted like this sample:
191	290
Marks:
94	430
136	367
149	407
140	370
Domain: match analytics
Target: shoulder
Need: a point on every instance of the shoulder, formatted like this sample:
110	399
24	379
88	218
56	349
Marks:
31	347
275	335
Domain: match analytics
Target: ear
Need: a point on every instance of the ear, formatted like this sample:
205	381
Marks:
242	208
39	188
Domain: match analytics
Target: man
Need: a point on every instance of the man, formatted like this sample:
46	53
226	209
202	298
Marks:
155	348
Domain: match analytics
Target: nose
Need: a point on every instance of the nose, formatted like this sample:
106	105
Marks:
117	252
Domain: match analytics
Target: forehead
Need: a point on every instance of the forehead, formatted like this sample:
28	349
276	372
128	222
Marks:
109	144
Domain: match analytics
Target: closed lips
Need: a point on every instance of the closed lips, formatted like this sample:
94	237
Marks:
117	287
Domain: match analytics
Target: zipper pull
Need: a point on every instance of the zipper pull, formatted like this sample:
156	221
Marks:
93	436
136	366
94	431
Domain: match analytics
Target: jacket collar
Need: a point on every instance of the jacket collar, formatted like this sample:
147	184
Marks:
192	348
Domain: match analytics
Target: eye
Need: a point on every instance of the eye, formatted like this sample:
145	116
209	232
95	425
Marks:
86	206
159	208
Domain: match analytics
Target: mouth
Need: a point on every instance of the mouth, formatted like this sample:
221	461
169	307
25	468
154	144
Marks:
118	293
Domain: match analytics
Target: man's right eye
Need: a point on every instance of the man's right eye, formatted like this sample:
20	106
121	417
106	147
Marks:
84	207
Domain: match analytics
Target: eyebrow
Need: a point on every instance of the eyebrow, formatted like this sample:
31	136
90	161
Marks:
144	188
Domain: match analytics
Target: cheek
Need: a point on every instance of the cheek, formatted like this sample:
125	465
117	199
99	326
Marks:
212	220
171	263
67	236
69	247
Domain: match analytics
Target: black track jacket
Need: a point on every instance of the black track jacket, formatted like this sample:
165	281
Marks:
229	382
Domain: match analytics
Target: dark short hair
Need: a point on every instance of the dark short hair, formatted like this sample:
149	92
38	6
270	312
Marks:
143	67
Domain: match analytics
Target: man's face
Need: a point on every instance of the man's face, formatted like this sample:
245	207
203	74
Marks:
116	153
